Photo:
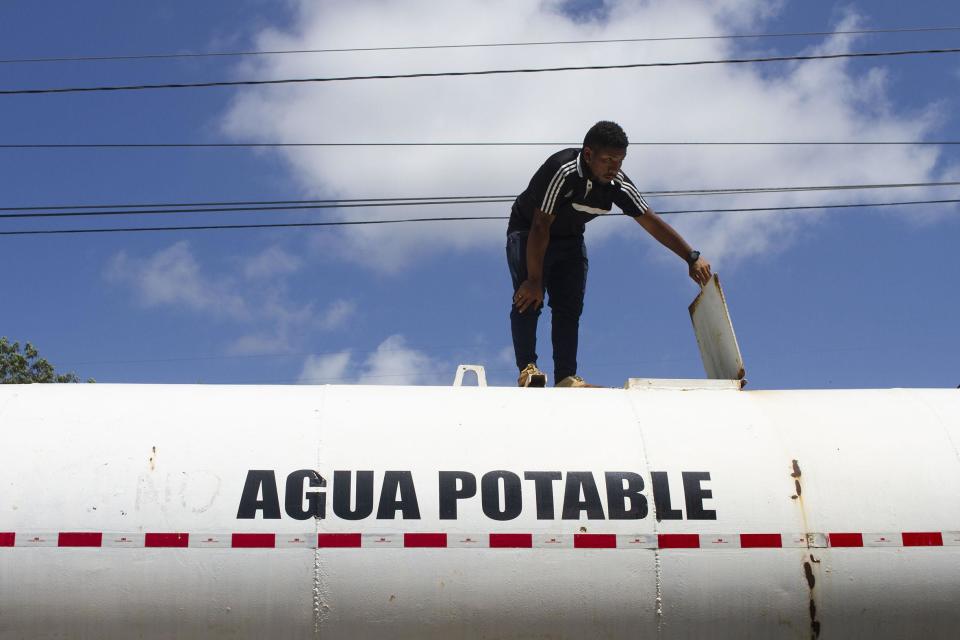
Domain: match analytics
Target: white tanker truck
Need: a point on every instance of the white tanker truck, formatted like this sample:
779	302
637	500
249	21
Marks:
664	510
141	511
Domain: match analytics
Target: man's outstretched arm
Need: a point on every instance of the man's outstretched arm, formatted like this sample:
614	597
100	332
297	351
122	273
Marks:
530	293
668	237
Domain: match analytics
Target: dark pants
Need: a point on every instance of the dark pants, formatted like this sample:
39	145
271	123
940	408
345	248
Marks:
565	279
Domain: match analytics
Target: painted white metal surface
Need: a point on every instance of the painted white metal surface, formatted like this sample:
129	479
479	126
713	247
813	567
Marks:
758	548
680	384
715	336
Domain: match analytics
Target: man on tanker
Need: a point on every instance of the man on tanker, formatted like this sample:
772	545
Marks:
545	248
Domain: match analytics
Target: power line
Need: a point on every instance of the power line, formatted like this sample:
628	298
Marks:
455	349
606	364
254	205
222	54
120	212
346	223
282	205
807	207
489	72
445	348
832	187
244	145
277	225
292	354
365	201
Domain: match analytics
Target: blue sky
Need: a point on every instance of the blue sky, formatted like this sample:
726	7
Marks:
856	298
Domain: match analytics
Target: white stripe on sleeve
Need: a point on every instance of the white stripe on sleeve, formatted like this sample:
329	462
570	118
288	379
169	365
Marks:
549	198
556	193
633	193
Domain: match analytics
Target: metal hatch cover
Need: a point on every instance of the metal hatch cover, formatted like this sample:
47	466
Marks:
715	337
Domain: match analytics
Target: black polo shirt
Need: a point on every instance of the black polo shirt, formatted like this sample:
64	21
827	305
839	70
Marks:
564	188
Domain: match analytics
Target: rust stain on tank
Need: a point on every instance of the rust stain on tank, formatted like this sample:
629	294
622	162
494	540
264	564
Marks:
811	584
808	565
796	481
814	623
798	493
153	459
808	572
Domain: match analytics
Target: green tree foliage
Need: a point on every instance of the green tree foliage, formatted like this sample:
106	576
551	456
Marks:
27	367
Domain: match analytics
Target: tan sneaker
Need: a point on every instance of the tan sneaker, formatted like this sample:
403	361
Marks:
575	382
531	376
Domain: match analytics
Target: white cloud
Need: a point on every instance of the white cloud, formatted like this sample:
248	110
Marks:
392	363
325	369
268	321
172	277
830	100
395	363
272	261
337	314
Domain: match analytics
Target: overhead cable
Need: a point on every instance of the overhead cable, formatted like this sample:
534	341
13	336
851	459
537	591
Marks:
347	223
270	205
333	205
831	187
488	72
427	348
222	54
642	143
282	205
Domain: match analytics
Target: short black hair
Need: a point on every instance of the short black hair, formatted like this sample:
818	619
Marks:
606	135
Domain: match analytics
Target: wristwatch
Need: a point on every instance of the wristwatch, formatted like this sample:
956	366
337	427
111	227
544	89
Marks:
692	257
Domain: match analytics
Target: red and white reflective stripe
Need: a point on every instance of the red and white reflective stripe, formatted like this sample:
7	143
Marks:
438	540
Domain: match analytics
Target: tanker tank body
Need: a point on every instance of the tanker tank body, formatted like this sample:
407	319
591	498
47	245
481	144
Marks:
340	512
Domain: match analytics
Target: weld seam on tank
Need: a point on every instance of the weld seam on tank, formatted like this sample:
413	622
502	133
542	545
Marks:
320	607
657	567
659	577
811	580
